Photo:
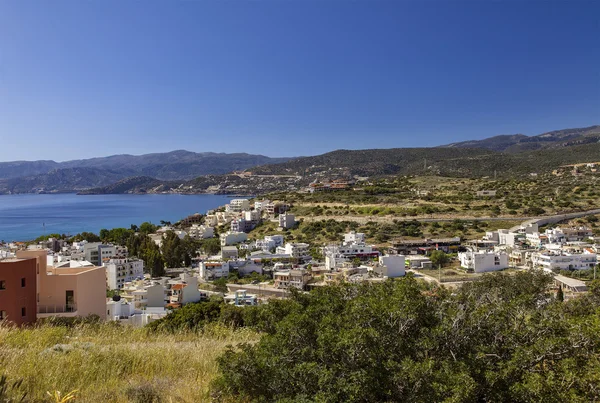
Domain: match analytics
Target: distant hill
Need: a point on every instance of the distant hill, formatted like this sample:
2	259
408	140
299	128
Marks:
516	143
60	180
174	165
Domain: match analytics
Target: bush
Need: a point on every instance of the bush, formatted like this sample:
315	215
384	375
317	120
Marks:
503	338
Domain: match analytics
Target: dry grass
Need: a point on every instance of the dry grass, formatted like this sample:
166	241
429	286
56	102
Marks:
107	363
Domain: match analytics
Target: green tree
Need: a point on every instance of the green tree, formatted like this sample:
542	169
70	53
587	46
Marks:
439	257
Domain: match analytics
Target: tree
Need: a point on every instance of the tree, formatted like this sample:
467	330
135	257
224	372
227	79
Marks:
148	228
560	296
211	246
439	257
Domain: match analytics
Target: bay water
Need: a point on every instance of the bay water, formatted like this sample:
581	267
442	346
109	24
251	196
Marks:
27	216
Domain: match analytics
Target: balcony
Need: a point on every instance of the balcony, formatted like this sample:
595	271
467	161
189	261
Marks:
45	311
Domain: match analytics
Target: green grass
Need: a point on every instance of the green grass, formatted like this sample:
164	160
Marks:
108	363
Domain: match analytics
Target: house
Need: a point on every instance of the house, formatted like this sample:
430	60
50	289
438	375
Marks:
287	220
246	267
143	294
184	290
295	250
120	310
66	291
229	252
391	266
122	270
213	270
18	290
297	278
238	205
483	261
233	238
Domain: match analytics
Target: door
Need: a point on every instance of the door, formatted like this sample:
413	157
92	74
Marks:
70	300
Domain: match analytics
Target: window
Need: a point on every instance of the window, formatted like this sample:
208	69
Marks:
23	312
3	315
23	282
2	285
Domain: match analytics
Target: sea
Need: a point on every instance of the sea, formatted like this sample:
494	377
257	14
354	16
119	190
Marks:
25	217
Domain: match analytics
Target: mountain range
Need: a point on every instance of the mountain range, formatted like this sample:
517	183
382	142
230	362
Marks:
515	143
504	155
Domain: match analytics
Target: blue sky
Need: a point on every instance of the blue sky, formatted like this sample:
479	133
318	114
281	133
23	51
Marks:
81	79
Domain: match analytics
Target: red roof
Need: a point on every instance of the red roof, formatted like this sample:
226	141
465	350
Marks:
178	286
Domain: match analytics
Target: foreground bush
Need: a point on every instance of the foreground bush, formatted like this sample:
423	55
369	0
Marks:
504	338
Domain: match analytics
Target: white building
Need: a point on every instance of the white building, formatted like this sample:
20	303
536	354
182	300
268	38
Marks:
94	252
483	261
145	294
238	205
261	205
213	270
124	312
201	231
295	250
269	242
252	216
392	266
354	238
233	238
184	290
558	260
122	270
287	220
239	225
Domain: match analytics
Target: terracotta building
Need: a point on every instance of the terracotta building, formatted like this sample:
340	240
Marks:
68	291
18	290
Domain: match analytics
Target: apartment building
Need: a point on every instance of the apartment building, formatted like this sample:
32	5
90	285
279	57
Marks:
295	250
122	270
213	270
232	238
286	220
559	260
297	278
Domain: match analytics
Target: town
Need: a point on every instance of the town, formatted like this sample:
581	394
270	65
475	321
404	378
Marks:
55	278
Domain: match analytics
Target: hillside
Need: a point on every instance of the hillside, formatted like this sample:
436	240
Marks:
454	161
174	165
134	184
61	180
519	142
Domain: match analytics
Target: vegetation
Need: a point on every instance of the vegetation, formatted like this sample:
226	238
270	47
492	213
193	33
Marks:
500	338
503	338
111	363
